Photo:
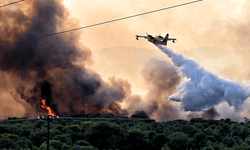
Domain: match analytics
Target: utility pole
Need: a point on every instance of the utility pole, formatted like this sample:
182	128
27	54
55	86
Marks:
48	133
48	117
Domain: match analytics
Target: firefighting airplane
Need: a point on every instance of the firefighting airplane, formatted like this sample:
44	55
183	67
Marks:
157	39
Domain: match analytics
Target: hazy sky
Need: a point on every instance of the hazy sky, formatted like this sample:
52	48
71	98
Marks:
212	32
216	34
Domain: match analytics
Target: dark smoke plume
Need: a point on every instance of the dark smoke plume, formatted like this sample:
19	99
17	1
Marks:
46	92
75	89
211	113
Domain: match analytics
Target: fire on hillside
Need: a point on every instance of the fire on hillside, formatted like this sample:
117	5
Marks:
50	112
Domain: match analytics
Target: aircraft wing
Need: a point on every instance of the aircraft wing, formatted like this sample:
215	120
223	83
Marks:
137	37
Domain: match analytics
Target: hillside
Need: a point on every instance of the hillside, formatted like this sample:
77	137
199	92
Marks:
125	134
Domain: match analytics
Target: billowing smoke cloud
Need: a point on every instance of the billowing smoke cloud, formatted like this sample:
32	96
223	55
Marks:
203	89
210	113
47	69
160	79
75	89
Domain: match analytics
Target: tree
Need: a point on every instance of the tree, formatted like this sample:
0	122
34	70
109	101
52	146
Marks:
209	131
38	137
140	114
238	140
93	115
223	129
76	122
159	140
82	143
160	127
151	134
53	132
228	141
244	132
165	147
77	147
212	127
125	126
23	142
190	130
13	137
108	116
235	133
75	132
65	147
59	127
218	146
25	130
5	142
199	126
199	140
235	127
213	122
86	124
104	135
178	141
63	139
135	139
39	123
11	129
207	148
55	144
245	145
44	146
143	126
63	122
195	120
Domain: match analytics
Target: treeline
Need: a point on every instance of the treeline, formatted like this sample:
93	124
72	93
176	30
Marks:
68	134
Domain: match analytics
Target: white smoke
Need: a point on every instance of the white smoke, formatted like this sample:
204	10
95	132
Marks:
203	89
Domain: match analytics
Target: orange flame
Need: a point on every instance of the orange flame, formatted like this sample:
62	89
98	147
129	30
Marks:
47	108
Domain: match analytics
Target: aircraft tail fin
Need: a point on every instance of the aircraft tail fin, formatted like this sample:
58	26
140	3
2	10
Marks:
246	119
165	40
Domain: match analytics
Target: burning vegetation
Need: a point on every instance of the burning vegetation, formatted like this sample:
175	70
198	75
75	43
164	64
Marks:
50	112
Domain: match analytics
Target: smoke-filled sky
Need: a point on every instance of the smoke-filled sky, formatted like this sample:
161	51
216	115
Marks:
104	68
